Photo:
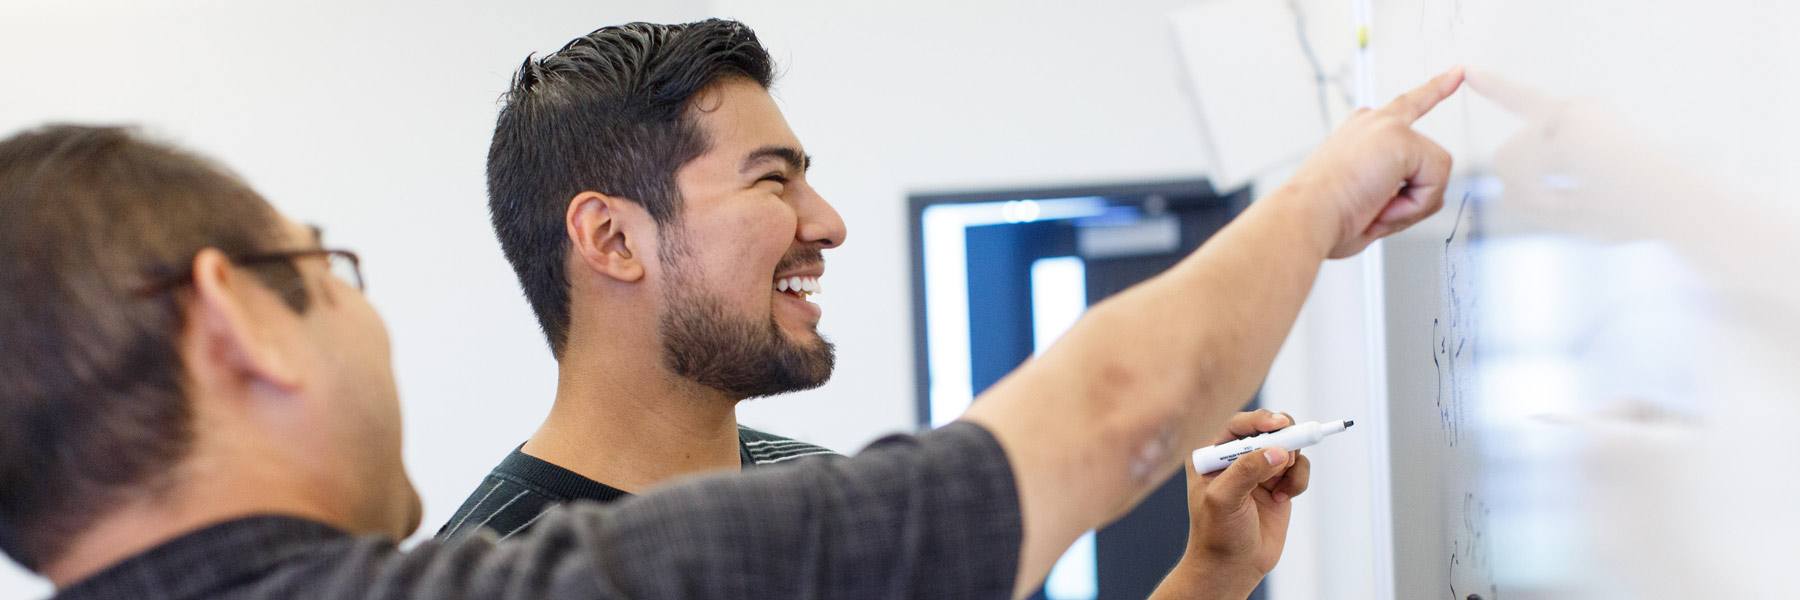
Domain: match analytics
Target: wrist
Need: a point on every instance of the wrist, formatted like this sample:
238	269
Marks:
1305	204
1195	577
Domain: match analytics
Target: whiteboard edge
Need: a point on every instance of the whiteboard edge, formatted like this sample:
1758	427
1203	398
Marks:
1380	463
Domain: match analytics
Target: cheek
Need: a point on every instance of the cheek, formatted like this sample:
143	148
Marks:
766	223
750	244
372	327
364	355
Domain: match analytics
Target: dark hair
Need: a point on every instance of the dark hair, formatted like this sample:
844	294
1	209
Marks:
92	408
606	113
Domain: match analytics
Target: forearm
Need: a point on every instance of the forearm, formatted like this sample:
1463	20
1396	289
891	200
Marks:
1151	373
1195	343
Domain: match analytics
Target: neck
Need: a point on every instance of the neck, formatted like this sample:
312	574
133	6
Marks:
202	495
622	419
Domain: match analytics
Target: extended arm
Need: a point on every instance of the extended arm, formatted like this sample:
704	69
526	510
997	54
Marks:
1156	370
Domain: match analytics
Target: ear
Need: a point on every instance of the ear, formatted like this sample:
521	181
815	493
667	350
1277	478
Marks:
230	314
597	225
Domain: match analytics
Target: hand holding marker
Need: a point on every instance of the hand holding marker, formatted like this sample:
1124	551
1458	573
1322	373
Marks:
1293	437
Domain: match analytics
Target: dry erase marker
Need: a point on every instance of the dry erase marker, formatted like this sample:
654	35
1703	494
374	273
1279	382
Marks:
1292	437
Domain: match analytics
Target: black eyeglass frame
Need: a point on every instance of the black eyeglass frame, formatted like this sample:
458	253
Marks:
186	275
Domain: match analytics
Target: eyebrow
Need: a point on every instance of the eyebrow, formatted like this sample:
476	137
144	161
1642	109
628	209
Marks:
795	160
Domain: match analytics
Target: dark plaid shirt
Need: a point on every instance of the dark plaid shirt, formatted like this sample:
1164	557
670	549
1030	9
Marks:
933	516
517	492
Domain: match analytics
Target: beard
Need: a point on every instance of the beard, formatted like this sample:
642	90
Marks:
746	357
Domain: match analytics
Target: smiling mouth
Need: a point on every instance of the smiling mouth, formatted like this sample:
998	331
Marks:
798	287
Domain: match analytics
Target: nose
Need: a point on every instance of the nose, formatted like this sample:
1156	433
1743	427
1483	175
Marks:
819	223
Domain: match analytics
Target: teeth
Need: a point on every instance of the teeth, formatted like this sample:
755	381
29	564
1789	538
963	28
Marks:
801	285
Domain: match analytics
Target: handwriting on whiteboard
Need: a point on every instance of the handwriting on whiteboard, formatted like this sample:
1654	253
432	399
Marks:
1452	330
1453	353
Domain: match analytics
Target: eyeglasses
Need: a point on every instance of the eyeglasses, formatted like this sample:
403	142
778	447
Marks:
344	265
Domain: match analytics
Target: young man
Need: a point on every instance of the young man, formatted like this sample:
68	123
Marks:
654	204
192	405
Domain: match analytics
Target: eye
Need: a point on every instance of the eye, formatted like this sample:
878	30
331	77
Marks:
776	177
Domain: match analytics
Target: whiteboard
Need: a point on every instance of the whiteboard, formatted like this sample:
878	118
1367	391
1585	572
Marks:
1604	308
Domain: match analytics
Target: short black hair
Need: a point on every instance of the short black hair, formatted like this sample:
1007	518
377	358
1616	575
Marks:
92	407
607	113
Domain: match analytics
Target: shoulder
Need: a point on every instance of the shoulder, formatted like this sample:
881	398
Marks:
501	504
517	492
768	448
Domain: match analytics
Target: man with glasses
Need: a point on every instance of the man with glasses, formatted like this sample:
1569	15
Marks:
174	424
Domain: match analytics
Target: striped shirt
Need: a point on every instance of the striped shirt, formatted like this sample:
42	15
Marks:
517	492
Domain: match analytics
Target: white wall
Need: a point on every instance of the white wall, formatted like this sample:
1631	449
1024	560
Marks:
374	121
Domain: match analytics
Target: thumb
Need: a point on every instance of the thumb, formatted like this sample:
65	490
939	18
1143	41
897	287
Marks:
1231	487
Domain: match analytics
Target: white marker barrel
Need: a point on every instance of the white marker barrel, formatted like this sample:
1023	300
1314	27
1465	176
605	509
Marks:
1293	437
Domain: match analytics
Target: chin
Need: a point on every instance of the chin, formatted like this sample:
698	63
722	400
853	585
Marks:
805	335
809	339
415	516
409	511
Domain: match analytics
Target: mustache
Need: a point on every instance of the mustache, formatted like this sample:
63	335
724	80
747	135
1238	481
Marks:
803	256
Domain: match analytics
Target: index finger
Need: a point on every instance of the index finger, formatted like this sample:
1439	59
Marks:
1422	99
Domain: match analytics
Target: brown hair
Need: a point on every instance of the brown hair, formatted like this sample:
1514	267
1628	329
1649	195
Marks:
92	408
